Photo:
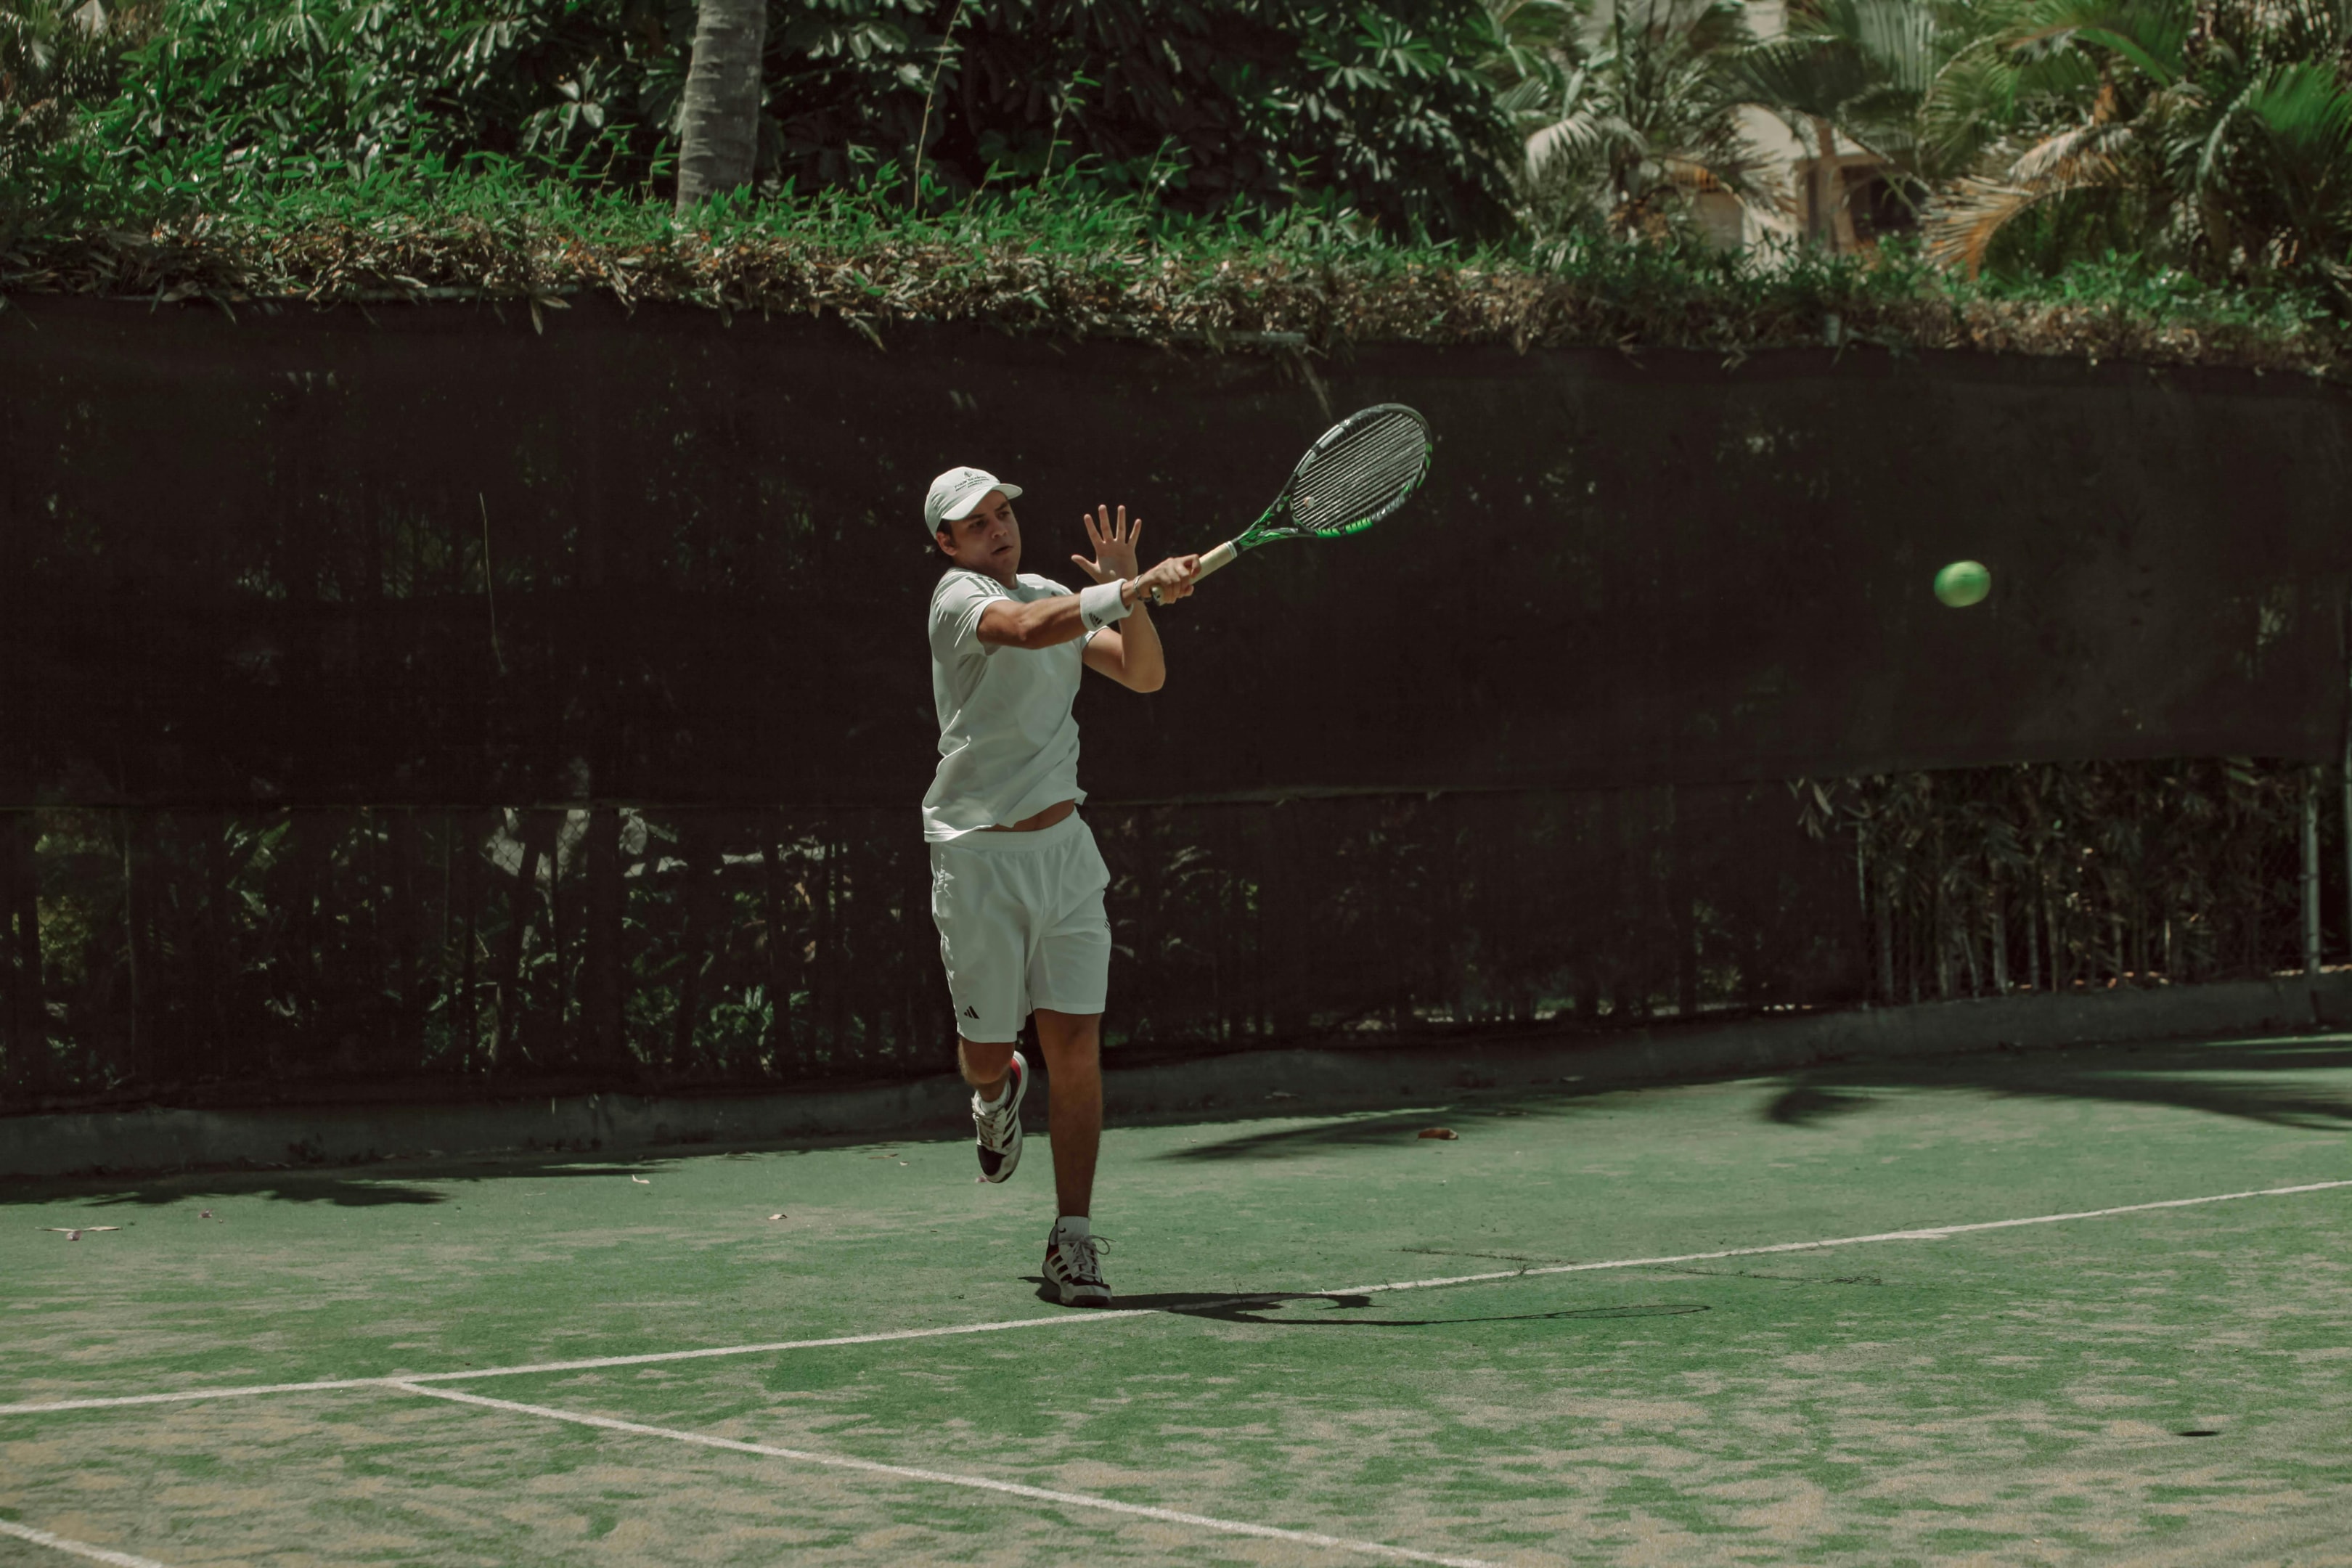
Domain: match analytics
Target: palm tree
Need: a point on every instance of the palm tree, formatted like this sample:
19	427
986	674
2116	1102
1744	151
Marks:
720	115
1625	128
53	55
2214	132
1922	86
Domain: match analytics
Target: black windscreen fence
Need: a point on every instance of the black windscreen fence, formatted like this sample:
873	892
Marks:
414	696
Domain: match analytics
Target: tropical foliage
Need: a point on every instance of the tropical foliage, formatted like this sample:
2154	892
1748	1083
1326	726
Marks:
2032	878
53	60
1627	124
1203	102
2162	179
2211	135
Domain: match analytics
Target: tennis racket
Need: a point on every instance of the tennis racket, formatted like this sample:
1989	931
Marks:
1357	473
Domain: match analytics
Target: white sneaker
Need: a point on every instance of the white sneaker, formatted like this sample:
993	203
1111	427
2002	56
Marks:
998	1127
1074	1266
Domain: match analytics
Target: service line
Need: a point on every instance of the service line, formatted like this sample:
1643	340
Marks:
77	1548
948	1477
1075	1319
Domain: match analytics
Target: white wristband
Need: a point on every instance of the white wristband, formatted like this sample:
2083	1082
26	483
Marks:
1101	604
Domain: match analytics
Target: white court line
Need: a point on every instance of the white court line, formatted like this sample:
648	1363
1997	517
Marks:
948	1477
1931	1233
78	1548
589	1365
1070	1318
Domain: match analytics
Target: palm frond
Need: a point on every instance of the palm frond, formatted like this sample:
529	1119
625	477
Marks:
1961	221
2304	116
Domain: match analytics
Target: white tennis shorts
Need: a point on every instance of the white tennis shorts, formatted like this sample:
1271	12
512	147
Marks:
1021	926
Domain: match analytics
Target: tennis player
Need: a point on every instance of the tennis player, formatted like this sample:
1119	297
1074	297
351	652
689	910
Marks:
1016	882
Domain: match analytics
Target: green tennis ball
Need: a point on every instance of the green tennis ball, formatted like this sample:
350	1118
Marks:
1963	582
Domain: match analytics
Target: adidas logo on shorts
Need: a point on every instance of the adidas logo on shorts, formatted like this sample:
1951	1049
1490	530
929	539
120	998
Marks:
969	1014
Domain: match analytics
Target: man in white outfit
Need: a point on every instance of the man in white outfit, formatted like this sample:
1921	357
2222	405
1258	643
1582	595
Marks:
1016	882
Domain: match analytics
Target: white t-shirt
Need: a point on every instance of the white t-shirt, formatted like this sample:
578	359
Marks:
1008	744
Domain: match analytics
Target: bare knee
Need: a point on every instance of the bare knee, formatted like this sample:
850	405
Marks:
983	1062
1072	1044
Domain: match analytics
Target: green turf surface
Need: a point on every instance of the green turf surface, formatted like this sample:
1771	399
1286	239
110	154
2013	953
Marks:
2012	1396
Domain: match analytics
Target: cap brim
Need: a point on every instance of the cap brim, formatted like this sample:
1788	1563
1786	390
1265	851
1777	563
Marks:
961	508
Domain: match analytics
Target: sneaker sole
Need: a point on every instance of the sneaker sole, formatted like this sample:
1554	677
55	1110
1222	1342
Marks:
1012	1155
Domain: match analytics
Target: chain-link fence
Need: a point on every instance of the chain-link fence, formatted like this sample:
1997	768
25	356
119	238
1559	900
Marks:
433	953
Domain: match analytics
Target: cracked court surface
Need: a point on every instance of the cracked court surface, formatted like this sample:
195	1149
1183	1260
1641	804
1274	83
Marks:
2012	1395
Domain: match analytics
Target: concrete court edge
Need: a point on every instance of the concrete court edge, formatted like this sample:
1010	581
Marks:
1271	1082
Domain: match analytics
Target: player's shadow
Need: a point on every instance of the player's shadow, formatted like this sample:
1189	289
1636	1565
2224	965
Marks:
1270	1309
1372	1129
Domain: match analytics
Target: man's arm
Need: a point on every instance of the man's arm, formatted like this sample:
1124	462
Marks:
1044	623
1131	655
1041	623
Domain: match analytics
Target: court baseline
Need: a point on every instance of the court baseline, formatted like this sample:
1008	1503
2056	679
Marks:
76	1548
1072	1318
422	1384
948	1478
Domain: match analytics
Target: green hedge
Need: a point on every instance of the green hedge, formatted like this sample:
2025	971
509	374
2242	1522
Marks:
1062	259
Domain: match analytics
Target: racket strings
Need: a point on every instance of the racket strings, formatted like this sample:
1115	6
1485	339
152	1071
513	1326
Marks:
1360	478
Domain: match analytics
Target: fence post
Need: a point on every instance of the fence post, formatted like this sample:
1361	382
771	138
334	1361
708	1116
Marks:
2311	871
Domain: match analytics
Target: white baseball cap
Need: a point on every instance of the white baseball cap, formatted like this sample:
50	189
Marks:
957	491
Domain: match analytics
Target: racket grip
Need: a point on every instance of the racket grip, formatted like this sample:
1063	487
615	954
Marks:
1223	555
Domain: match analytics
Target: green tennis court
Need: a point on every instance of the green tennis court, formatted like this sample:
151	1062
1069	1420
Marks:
2138	1383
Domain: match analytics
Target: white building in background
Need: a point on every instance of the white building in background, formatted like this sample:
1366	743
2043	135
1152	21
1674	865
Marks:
1838	193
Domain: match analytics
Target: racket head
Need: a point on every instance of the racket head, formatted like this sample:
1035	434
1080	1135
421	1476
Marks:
1357	472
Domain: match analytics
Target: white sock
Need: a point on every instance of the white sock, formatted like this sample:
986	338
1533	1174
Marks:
1003	1088
1071	1227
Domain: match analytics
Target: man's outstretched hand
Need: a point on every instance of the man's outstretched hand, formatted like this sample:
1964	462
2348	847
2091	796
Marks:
1115	540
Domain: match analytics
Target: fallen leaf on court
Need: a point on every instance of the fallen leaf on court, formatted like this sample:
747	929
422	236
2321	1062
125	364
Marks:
1437	1132
776	1216
641	1181
207	1213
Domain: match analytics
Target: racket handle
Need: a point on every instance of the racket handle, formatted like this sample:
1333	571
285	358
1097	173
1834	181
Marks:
1223	555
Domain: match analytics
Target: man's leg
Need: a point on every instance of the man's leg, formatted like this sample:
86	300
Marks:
996	1099
984	1064
1072	1043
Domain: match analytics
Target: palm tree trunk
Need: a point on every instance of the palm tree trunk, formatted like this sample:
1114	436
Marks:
521	898
139	1064
698	851
1821	186
721	114
1999	945
1830	223
606	1030
778	1046
465	1033
405	968
28	1033
220	949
